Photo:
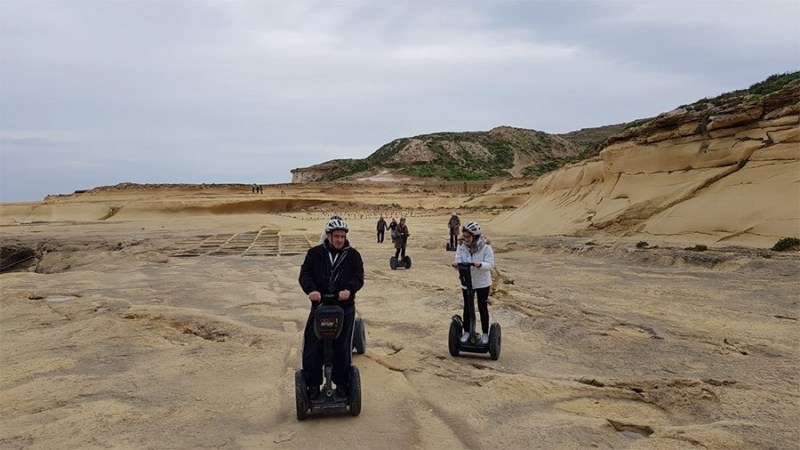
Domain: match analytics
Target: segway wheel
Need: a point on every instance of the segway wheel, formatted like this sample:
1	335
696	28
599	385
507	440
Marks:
495	338
407	262
359	336
393	263
355	391
453	337
300	394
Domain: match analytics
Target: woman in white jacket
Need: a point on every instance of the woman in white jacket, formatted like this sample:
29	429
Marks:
474	249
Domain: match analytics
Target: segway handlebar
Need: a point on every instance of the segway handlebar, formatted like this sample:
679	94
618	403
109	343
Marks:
329	299
464	265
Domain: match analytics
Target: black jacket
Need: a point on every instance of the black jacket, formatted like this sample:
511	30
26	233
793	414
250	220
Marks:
328	270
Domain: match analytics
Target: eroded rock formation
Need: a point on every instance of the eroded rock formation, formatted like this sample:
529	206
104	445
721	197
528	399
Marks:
717	175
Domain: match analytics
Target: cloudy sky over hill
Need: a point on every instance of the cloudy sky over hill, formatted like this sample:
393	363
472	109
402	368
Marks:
187	91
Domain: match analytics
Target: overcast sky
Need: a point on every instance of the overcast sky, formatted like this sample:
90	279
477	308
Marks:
96	93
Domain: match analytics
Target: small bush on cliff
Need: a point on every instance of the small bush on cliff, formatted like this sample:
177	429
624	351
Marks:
773	83
698	248
787	243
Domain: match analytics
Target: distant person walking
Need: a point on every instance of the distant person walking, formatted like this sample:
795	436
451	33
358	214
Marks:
402	239
382	226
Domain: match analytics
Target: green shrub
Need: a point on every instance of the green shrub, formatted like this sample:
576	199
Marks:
642	244
787	243
698	248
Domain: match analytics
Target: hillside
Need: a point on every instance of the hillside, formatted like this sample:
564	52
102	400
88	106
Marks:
502	152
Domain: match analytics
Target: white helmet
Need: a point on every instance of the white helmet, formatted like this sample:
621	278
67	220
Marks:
472	228
336	224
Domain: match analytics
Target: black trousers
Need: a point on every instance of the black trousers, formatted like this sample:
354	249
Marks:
483	308
400	254
380	236
314	352
453	237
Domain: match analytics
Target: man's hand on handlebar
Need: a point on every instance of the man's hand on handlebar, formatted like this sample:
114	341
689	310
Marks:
315	296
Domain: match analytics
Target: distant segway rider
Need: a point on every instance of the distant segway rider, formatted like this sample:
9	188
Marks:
332	267
476	250
402	239
393	229
454	224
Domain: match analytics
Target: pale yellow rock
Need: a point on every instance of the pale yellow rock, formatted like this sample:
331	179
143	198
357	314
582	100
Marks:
780	121
783	136
758	203
777	152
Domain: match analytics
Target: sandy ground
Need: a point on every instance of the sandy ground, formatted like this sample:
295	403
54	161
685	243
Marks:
159	332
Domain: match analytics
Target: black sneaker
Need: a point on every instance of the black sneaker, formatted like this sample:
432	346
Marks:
341	391
313	392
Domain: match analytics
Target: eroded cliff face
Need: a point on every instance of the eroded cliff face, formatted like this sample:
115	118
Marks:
312	173
724	176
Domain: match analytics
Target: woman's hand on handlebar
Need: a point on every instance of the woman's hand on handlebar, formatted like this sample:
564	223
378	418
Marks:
344	295
314	296
476	264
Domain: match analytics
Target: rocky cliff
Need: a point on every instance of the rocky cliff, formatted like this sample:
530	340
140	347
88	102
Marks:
718	171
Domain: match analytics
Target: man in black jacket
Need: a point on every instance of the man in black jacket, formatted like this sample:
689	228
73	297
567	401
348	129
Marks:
381	229
332	267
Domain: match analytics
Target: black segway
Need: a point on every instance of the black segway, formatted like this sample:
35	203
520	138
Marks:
473	344
451	246
328	321
404	263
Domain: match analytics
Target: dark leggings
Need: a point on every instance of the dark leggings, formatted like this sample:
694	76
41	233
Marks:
400	254
313	351
483	308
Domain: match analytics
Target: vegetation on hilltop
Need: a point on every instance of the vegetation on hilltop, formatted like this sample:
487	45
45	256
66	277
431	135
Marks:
754	93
